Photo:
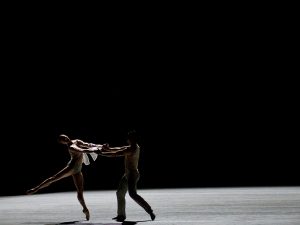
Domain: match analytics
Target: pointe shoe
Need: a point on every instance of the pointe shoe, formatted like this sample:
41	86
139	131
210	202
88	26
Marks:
87	214
152	215
119	218
31	191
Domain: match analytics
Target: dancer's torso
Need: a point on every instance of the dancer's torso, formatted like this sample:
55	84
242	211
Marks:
131	160
76	159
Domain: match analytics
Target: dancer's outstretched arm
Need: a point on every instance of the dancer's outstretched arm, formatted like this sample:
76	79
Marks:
76	148
108	154
115	151
83	144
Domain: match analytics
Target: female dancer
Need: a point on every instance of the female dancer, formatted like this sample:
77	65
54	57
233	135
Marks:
78	150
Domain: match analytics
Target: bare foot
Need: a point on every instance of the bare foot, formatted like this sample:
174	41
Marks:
87	214
31	191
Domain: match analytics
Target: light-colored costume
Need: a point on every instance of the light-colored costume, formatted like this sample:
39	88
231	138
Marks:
77	158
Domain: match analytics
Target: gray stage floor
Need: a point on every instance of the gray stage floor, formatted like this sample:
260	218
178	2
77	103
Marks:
198	206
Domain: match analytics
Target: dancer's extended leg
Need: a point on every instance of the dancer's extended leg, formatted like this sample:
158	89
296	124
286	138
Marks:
65	172
132	190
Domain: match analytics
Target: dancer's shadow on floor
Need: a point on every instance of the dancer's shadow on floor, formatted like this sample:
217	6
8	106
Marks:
134	222
69	222
80	223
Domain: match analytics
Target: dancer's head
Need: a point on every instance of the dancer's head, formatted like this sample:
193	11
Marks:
64	139
132	137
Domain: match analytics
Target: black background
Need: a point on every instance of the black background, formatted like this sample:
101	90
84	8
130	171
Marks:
212	106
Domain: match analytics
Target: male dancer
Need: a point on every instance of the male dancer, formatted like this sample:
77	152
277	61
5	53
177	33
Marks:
129	180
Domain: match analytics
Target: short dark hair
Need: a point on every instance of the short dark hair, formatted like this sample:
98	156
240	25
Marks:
132	135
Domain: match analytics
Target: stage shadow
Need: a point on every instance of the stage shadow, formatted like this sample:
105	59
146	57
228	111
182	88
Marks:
87	223
134	222
69	222
72	222
80	223
129	223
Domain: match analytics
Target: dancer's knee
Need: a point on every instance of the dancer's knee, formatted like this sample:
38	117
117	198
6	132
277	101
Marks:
133	194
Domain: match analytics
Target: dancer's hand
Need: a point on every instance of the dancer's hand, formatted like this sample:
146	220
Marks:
105	147
98	151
